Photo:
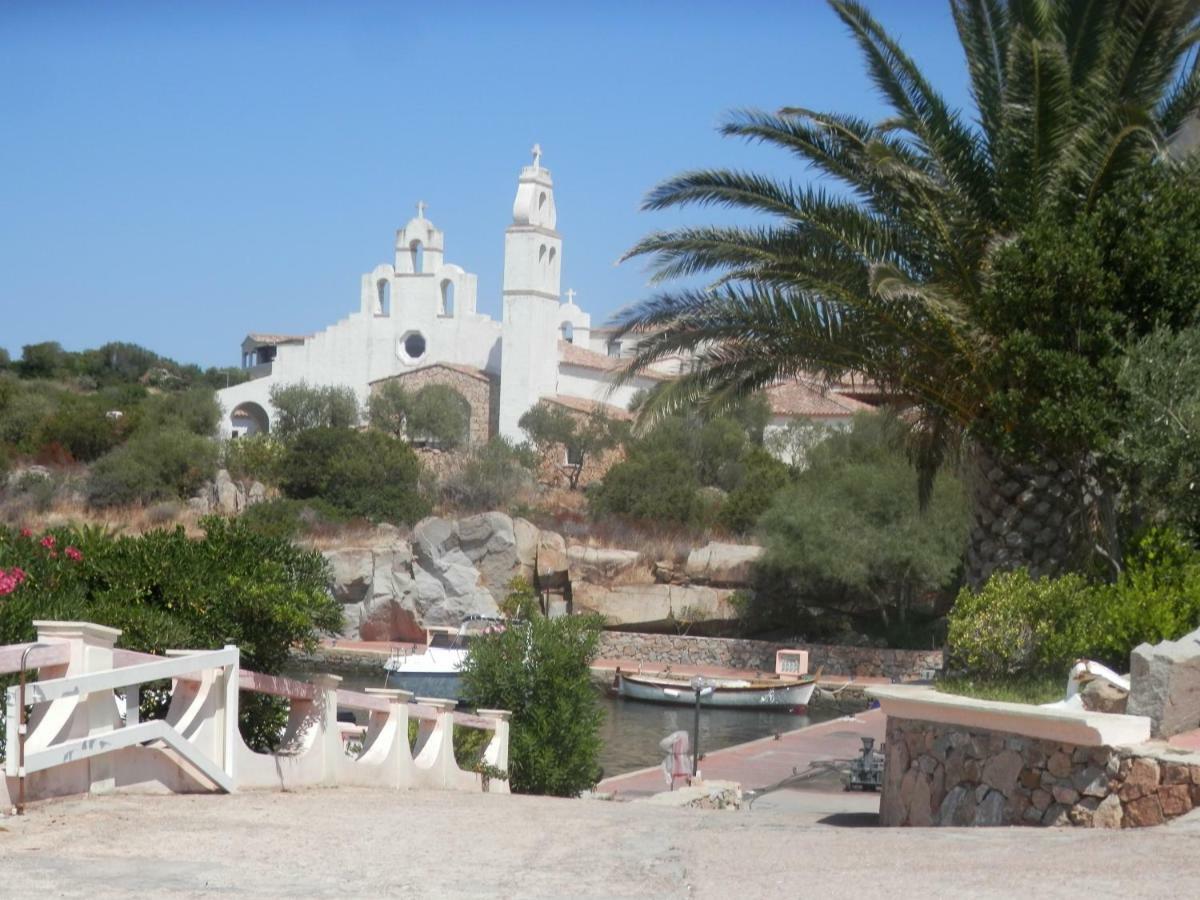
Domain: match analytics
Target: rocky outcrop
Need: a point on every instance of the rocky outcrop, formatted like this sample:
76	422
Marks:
224	495
391	586
607	566
1165	680
655	604
726	565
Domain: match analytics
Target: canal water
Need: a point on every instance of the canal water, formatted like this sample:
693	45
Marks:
632	729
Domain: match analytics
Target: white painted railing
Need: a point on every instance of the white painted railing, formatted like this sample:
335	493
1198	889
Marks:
76	741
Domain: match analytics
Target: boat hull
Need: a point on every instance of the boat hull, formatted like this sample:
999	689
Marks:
786	695
443	685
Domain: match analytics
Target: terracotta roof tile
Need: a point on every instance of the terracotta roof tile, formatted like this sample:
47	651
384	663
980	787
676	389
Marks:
583	405
800	398
573	355
478	374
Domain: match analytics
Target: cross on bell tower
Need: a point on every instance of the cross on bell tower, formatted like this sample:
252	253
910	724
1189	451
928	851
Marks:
537	156
421	205
570	295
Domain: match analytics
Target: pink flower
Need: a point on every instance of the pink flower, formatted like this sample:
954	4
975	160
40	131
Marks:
25	532
10	580
48	542
73	554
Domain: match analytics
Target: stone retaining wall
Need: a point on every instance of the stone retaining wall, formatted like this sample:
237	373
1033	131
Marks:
737	653
937	774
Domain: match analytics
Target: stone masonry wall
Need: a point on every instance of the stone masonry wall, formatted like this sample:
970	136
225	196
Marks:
939	774
476	388
734	653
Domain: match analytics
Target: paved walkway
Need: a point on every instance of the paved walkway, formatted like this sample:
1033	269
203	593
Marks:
353	842
768	761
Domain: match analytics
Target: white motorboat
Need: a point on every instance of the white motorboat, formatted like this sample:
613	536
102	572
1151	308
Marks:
435	670
766	692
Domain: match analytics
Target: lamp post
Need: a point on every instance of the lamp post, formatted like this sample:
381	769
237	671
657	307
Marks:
700	689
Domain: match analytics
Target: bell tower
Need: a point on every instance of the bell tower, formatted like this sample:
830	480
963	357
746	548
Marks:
532	274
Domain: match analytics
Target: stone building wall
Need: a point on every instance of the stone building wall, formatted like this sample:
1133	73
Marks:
739	653
476	388
938	774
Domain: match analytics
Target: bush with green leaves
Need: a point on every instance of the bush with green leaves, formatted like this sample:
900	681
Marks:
282	517
360	473
491	478
300	407
552	429
539	669
165	590
152	465
850	534
1017	625
256	456
667	470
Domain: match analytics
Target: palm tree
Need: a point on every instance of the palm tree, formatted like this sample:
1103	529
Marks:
887	277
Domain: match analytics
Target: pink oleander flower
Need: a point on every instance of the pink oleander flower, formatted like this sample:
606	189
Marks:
25	532
10	580
48	542
73	554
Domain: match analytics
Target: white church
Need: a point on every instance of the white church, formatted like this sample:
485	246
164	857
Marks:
417	323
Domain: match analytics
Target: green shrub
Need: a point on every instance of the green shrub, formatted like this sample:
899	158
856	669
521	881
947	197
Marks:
538	669
300	407
257	456
80	426
165	590
1018	625
439	416
761	478
153	465
194	410
287	518
491	478
660	486
362	473
22	416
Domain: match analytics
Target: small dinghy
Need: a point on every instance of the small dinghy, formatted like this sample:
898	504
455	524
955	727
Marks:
767	692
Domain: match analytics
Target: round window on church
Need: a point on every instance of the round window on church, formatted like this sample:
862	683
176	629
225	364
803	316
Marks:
412	346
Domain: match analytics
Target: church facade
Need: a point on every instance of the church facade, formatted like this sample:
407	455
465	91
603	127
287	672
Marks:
417	321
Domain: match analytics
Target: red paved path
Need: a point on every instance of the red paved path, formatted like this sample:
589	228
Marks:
767	761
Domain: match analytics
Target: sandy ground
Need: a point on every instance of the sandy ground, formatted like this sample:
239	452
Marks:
347	842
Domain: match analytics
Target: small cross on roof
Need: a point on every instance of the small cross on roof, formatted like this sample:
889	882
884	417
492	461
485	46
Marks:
420	209
537	156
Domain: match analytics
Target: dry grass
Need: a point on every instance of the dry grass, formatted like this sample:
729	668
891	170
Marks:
66	511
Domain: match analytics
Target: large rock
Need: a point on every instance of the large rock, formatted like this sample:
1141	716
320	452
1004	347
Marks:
728	565
654	604
351	576
489	540
526	535
607	566
1165	685
227	494
552	568
447	584
391	612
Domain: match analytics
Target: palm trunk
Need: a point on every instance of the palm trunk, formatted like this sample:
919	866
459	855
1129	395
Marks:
1045	516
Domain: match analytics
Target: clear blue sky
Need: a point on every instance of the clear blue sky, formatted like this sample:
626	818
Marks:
178	174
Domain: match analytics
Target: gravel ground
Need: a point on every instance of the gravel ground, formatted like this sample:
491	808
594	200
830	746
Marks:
349	842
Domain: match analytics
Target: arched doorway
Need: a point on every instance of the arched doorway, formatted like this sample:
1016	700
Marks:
248	418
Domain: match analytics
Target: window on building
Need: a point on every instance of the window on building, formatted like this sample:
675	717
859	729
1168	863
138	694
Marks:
568	332
447	306
383	298
417	250
574	456
614	348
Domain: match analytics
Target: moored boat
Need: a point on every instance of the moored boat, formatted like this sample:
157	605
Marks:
769	692
435	671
